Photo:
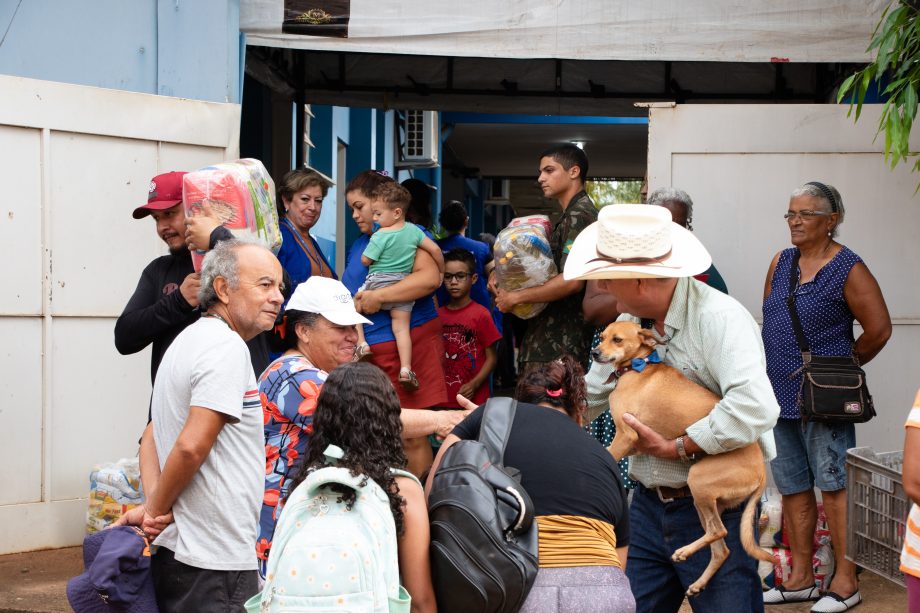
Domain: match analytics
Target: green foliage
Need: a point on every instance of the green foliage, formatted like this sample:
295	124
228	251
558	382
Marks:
896	40
613	192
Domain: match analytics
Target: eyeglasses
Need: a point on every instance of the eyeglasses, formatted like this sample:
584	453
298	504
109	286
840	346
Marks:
460	276
804	215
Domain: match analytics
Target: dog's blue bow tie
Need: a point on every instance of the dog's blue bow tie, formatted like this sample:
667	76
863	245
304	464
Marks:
638	364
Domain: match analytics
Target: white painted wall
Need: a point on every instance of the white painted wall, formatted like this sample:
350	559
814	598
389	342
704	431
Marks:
739	163
74	162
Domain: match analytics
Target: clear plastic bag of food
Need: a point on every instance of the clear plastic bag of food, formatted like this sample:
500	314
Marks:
241	194
114	488
523	258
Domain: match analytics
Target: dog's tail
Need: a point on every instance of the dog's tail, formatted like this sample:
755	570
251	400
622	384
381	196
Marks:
751	546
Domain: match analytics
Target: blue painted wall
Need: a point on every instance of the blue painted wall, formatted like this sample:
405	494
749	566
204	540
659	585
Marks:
184	48
361	156
322	158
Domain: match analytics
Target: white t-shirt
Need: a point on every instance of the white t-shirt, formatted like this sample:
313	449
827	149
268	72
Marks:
216	516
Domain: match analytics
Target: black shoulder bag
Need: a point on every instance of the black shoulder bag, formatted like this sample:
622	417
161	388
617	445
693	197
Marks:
833	388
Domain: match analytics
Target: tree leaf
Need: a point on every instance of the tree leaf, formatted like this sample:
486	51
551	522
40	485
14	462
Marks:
885	48
846	86
910	105
896	43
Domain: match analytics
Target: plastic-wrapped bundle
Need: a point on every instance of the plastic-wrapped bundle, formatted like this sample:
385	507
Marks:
113	490
771	520
241	194
523	258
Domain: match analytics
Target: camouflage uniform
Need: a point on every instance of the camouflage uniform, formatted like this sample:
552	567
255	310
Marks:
560	328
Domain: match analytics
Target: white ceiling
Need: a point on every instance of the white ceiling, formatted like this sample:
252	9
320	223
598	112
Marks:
512	150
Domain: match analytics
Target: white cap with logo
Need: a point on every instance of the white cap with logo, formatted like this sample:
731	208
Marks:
329	298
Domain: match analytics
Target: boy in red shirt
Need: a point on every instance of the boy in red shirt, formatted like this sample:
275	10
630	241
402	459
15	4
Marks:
469	332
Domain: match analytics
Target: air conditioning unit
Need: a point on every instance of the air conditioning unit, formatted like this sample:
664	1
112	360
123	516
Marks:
499	191
419	139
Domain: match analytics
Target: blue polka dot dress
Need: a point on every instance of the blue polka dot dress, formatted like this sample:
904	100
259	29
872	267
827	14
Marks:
604	429
826	320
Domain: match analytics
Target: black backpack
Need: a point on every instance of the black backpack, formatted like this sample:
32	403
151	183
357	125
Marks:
483	535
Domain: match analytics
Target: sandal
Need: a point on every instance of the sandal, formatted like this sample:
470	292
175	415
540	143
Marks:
781	595
363	352
408	380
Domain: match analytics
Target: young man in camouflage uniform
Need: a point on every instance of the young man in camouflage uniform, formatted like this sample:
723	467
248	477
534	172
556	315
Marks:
560	328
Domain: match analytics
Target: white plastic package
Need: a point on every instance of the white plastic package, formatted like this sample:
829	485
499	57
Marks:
241	194
114	488
523	258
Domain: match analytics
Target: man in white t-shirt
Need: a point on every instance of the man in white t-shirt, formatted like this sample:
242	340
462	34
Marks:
207	426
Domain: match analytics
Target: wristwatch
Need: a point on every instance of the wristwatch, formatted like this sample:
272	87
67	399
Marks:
682	451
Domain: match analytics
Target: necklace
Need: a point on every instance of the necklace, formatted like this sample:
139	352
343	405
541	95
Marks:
218	316
315	260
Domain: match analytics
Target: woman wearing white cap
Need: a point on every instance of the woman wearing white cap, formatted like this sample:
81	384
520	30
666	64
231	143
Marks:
319	333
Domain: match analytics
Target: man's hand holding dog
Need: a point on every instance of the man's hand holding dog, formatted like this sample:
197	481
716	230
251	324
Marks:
653	444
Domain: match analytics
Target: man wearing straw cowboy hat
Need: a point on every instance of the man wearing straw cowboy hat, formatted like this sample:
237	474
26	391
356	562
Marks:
647	262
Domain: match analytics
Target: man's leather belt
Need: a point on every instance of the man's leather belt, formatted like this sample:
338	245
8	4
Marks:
667	494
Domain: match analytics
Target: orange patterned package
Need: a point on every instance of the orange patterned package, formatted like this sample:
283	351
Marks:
241	194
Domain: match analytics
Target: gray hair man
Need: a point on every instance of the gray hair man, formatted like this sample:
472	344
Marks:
678	202
206	470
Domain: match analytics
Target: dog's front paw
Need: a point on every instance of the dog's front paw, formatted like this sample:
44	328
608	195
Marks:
681	554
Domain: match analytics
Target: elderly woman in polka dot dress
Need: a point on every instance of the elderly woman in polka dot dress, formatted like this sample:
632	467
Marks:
834	288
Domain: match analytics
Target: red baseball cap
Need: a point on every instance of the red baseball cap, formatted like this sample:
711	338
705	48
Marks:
165	192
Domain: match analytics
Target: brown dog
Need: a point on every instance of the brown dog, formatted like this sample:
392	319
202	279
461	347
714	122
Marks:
667	402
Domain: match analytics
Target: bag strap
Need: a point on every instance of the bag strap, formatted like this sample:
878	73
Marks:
497	417
793	312
398	472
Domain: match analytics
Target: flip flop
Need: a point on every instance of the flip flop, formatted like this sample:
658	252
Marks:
780	595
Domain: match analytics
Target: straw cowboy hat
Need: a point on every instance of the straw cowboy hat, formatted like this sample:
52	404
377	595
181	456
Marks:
632	241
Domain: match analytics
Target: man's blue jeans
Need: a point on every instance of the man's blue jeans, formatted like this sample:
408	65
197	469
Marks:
656	530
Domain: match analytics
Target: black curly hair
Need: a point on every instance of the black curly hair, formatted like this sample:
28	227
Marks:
358	410
560	383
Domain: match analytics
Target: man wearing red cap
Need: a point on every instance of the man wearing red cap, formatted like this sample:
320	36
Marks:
166	299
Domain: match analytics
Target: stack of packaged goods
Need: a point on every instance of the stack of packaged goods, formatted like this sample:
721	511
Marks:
775	539
242	196
523	258
113	490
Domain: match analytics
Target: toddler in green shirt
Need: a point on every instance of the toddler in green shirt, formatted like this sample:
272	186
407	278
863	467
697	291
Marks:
390	256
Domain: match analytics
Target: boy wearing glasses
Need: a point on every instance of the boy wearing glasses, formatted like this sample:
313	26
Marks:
469	332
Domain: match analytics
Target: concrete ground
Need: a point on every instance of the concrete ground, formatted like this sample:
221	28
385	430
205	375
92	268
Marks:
35	582
879	596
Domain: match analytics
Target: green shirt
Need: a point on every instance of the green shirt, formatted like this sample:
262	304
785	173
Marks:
560	328
394	251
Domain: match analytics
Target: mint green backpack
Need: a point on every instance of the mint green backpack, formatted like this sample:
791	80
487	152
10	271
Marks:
326	557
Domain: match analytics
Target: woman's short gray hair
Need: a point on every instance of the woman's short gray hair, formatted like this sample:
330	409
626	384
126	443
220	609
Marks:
219	262
810	189
672	194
